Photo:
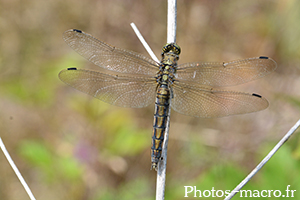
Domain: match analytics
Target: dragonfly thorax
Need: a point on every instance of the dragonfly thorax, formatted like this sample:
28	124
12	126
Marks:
168	63
167	68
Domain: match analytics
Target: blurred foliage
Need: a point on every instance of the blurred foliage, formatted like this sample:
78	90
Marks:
70	146
39	156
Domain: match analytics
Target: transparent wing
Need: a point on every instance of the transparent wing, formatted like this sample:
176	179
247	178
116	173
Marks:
109	57
206	102
120	90
226	74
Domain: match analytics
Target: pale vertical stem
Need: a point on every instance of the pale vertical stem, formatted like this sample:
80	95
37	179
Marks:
264	161
172	21
162	165
17	172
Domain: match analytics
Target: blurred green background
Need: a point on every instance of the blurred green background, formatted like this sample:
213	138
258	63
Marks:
68	145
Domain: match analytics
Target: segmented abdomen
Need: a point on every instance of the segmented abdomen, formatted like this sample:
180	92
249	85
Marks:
159	125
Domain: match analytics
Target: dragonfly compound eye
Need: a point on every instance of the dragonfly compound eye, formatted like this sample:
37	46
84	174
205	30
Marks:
176	49
171	47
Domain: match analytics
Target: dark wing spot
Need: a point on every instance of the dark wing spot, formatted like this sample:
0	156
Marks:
256	95
76	30
263	57
72	68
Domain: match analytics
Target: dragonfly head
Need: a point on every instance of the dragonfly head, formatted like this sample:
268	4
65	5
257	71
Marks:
171	47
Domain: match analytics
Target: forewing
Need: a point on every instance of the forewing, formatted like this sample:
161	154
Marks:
226	74
208	102
120	90
109	57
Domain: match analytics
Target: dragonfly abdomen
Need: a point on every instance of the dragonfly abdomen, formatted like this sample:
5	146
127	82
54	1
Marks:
159	125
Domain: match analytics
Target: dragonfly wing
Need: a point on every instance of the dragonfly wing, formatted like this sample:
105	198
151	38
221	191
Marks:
208	102
226	74
120	90
109	57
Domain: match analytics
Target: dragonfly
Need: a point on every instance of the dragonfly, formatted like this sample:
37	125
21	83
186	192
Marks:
129	79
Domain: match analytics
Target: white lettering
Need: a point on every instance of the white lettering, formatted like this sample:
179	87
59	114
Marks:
287	191
262	193
293	193
256	193
213	192
227	192
270	193
274	193
195	192
246	191
209	193
222	193
243	193
186	192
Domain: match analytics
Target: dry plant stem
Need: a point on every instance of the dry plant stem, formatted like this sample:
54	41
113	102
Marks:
264	161
161	173
143	41
172	21
171	38
17	172
162	165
